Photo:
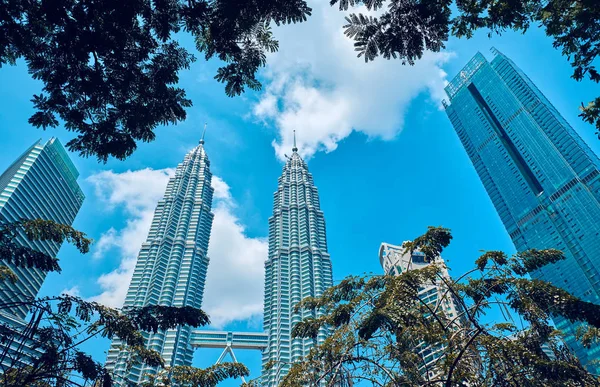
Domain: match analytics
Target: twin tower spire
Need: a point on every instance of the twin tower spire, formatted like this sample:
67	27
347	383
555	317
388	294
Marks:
203	134
295	149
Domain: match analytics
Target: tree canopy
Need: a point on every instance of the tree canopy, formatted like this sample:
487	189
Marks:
406	29
110	68
385	330
14	253
59	325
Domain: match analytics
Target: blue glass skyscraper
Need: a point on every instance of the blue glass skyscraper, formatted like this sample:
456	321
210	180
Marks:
540	175
172	264
298	266
40	184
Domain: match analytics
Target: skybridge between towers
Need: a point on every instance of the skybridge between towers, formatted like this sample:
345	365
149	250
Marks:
229	341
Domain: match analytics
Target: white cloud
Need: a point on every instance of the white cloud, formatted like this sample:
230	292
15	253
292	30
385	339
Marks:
235	278
107	241
317	86
221	190
74	291
136	193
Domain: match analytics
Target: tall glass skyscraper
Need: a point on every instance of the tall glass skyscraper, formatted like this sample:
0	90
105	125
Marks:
298	266
172	263
40	184
541	176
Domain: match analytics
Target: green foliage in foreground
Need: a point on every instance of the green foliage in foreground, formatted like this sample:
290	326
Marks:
110	69
378	325
190	376
14	253
405	30
58	326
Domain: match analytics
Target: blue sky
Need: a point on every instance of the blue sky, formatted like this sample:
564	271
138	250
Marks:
385	159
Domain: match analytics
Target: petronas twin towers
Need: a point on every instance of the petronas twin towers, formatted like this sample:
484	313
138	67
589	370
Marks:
298	266
172	265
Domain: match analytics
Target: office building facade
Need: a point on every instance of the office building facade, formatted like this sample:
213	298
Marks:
40	184
171	266
298	266
395	260
540	175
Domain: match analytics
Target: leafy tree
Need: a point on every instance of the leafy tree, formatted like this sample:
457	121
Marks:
110	68
14	253
58	326
406	29
193	377
380	326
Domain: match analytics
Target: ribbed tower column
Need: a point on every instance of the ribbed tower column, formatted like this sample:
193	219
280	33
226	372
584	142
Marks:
172	263
298	266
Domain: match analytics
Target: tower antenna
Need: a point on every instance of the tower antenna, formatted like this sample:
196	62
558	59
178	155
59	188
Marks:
203	133
294	149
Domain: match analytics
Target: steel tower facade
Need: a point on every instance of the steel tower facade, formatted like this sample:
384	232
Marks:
540	175
172	264
298	266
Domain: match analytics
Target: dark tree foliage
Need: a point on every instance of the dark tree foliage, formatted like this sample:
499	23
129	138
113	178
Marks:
185	376
14	253
58	326
405	29
110	68
591	114
382	329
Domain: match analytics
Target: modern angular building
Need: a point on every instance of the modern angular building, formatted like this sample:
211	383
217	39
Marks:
540	175
395	260
298	266
40	184
172	263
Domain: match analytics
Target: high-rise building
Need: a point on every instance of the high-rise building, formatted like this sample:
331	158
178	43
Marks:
298	266
171	266
540	175
395	260
40	184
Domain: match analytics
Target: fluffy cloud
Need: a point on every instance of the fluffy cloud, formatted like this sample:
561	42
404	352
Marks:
74	291
222	193
316	86
136	193
235	279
